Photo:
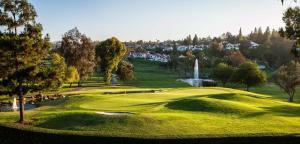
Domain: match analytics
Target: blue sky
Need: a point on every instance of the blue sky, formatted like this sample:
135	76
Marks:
156	19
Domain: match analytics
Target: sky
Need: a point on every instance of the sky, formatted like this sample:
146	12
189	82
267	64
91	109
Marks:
157	19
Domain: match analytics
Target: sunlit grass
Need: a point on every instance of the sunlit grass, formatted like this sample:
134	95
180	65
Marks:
177	110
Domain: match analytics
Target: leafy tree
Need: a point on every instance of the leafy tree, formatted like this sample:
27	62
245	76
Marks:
78	51
249	74
72	75
216	49
236	58
288	78
125	71
58	67
195	40
223	72
23	51
111	52
291	30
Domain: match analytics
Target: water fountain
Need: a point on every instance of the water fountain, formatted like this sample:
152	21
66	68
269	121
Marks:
196	81
14	105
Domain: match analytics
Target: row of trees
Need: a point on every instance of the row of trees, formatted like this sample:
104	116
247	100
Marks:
84	55
247	73
28	64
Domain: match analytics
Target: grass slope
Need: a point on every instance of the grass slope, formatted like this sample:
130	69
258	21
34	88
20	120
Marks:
177	111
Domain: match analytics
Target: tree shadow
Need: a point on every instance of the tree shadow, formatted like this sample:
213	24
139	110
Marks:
73	121
284	110
200	105
254	114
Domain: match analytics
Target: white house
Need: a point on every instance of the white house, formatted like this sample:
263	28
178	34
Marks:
230	46
137	55
168	49
182	48
262	66
197	49
158	57
253	45
181	56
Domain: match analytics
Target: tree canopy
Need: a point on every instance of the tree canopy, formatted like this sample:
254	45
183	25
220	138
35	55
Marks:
110	52
23	51
223	73
287	78
78	51
249	74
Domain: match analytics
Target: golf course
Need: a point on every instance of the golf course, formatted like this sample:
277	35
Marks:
155	105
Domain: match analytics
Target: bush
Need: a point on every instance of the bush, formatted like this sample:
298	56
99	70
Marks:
209	84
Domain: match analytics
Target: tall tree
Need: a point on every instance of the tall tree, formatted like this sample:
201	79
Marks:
23	51
110	52
287	78
195	40
266	35
78	51
188	40
292	30
240	35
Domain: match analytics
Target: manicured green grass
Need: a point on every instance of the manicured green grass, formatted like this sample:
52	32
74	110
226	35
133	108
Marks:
177	111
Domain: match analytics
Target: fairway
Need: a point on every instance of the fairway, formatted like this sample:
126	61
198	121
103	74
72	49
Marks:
175	111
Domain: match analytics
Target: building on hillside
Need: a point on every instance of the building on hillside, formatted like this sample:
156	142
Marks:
148	56
168	49
136	55
181	57
253	45
230	46
182	48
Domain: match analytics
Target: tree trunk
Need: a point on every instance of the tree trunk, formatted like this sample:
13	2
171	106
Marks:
21	107
70	85
291	98
79	84
247	88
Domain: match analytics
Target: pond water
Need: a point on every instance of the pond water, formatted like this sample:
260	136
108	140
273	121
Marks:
8	108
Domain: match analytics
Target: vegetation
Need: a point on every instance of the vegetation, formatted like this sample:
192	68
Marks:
125	71
249	75
288	78
291	31
110	53
177	111
23	53
78	51
223	73
72	75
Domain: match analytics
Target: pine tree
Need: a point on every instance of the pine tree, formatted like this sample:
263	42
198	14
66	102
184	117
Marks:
266	35
240	36
259	36
22	53
195	40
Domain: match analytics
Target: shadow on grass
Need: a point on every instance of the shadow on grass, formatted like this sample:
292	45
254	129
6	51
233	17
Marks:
198	105
291	111
73	121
